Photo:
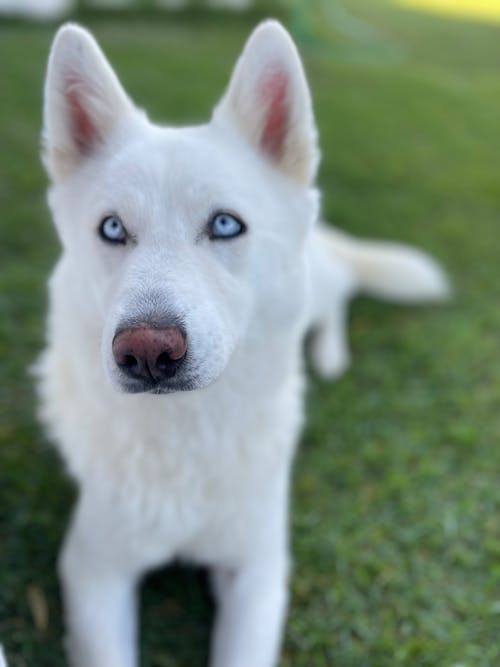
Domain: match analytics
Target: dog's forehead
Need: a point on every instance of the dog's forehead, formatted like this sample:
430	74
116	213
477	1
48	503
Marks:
181	160
189	172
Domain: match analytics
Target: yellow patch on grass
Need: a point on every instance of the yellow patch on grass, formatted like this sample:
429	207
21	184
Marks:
476	10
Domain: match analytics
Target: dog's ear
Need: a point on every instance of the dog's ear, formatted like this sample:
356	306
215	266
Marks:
268	100
83	101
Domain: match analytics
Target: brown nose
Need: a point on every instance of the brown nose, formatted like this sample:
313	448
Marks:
145	352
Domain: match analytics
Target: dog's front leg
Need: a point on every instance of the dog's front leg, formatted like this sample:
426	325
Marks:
251	603
250	616
99	589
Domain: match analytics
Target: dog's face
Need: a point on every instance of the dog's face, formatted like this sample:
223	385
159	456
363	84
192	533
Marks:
182	242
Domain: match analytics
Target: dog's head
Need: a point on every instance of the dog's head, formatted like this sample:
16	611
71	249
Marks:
180	243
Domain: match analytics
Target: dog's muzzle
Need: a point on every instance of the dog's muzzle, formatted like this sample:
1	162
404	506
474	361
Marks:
150	358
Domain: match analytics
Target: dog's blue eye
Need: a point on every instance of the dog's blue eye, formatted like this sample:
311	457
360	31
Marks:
112	230
225	226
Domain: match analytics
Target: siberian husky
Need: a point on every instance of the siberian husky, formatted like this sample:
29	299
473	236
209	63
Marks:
193	264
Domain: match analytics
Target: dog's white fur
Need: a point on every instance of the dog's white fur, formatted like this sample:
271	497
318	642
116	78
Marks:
201	475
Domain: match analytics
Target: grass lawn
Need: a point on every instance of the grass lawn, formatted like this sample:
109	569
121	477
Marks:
396	512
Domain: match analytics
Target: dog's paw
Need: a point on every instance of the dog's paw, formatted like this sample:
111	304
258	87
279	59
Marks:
329	353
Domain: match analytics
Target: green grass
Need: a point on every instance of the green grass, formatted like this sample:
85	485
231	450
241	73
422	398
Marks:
396	512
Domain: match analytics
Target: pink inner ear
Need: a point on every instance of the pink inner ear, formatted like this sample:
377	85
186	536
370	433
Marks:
82	129
273	93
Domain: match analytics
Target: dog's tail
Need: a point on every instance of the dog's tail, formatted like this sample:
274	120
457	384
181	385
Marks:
3	661
390	271
343	266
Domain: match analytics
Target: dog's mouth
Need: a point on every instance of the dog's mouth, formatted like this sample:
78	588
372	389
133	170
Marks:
153	386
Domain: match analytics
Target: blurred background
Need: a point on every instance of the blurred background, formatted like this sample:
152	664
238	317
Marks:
396	506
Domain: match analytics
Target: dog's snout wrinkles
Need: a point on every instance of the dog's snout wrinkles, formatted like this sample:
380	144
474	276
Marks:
150	352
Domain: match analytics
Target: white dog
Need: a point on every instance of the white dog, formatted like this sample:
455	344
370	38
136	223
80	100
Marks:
172	382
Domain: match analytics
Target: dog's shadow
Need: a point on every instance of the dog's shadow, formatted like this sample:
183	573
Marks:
176	617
